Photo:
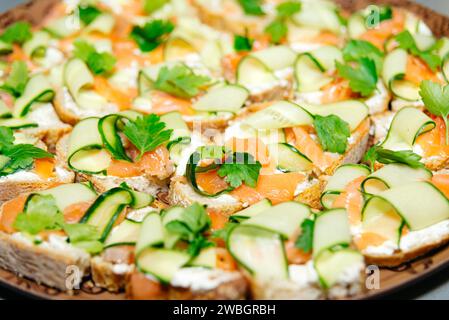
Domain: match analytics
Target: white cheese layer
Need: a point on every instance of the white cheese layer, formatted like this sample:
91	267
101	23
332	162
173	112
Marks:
201	279
44	115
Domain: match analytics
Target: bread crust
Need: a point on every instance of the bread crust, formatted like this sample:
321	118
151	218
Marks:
401	257
44	265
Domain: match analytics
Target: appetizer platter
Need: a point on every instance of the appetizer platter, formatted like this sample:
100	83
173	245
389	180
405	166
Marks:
222	149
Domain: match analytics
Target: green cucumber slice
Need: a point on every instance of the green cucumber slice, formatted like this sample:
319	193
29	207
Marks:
107	126
251	72
309	74
338	182
37	44
356	26
207	259
276	57
354	112
86	153
331	230
392	175
321	15
395	65
5	112
407	125
445	68
126	233
39	89
151	233
161	263
259	251
17	123
330	265
251	211
174	213
68	194
420	204
289	159
227	98
64	27
380	217
282	114
177	48
284	218
5	48
105	210
104	23
405	90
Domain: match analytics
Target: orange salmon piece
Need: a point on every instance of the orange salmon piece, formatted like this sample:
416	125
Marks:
352	200
74	212
369	239
164	103
45	167
418	70
10	211
433	142
441	181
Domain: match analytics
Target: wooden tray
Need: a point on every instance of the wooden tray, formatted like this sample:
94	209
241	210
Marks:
390	279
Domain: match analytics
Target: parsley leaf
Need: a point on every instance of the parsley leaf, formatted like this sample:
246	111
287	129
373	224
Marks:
16	82
98	63
18	32
333	133
357	49
252	7
179	81
84	236
305	239
88	14
192	222
152	5
287	9
407	42
242	43
436	100
362	79
41	214
277	30
197	244
146	133
385	156
152	34
240	167
21	156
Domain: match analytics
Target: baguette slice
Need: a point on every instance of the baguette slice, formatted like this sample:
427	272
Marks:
227	285
53	263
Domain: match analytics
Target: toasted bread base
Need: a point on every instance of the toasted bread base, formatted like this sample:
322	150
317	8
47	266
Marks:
402	257
48	266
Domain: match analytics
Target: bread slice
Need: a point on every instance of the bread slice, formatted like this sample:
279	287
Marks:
148	184
427	240
305	287
220	18
224	285
27	181
71	113
53	263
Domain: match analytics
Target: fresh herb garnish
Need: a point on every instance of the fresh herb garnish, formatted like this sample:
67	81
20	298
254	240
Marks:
333	133
357	49
252	7
407	42
88	14
240	167
436	100
146	133
20	156
152	5
362	79
243	43
98	62
180	81
152	34
305	239
42	214
190	227
277	30
16	82
18	32
386	156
